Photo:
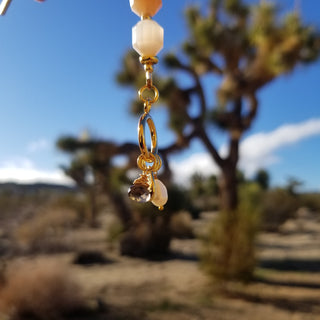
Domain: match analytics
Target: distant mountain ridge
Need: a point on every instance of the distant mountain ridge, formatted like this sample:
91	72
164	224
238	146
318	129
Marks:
34	187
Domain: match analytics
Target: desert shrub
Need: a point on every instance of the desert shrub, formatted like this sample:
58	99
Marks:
72	201
229	247
46	230
179	199
40	290
149	233
148	238
311	201
90	257
203	192
114	231
181	225
277	206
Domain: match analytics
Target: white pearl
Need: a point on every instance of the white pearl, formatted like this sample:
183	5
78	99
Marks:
147	38
160	196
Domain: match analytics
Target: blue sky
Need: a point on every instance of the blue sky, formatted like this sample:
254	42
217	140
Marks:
58	65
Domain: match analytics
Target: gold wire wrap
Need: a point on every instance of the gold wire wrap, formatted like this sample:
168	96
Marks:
153	166
142	180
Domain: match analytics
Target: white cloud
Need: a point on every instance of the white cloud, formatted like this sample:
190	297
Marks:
197	163
256	151
23	171
37	145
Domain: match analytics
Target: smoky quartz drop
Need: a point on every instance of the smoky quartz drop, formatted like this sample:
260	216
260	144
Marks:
139	193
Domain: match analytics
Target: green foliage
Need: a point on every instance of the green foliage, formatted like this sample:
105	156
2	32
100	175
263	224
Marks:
293	185
132	71
236	8
262	178
204	192
179	199
229	248
281	45
68	144
172	61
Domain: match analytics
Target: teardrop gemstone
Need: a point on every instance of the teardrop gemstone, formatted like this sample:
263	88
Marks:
139	193
160	196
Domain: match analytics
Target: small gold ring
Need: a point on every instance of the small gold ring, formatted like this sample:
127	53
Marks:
155	160
146	119
142	163
149	88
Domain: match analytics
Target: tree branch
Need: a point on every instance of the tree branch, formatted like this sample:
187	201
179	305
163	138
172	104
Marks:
197	122
253	107
210	146
211	66
178	145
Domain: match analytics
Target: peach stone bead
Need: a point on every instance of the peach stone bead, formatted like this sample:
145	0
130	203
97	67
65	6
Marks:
145	8
147	38
160	196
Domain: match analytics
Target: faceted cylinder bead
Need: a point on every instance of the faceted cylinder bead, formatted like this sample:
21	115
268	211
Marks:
145	8
160	196
147	38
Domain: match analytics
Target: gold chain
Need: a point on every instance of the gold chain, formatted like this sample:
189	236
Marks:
147	40
149	161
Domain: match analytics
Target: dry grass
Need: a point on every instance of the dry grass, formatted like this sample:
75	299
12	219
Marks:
40	289
181	225
45	231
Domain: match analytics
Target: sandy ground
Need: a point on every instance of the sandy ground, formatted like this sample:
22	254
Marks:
288	285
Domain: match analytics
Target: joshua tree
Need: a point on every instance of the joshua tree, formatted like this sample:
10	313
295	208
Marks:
145	232
246	47
92	170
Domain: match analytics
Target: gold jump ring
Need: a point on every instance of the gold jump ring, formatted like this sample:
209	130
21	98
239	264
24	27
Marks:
146	119
149	88
155	160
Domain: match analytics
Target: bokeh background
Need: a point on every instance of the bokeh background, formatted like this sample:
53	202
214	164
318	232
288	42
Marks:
72	246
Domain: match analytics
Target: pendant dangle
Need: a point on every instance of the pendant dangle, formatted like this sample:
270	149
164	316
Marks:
147	40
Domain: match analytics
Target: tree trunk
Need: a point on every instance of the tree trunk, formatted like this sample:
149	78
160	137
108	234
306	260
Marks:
91	207
228	179
123	211
147	238
146	234
228	188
